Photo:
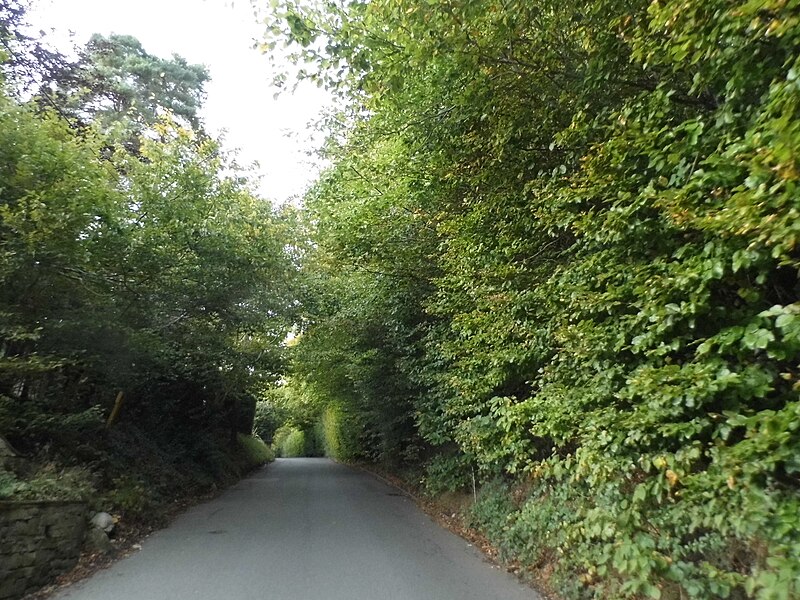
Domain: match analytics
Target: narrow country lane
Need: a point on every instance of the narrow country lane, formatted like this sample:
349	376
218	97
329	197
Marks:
304	529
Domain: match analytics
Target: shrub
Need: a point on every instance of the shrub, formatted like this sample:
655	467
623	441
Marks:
493	512
447	473
256	451
268	419
133	496
289	442
332	436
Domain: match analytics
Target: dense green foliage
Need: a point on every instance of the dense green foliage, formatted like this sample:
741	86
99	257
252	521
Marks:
558	244
289	442
123	90
145	292
257	451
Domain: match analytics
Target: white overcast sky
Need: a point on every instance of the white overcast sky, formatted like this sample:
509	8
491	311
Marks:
220	35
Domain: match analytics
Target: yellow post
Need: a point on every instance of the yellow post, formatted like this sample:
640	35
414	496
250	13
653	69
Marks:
112	418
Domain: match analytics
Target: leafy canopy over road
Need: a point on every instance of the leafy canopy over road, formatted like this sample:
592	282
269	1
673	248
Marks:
556	250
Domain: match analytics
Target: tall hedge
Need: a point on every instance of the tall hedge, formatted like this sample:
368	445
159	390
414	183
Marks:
567	234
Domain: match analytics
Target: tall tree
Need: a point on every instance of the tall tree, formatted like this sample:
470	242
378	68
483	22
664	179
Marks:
118	79
26	60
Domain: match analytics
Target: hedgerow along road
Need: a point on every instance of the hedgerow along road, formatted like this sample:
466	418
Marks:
303	529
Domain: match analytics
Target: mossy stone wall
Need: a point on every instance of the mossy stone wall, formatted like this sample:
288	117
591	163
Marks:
38	541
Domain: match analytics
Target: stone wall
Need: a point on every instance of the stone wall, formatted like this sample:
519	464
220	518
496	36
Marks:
38	541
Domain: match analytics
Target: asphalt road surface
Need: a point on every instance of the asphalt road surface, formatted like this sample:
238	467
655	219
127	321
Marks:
304	529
